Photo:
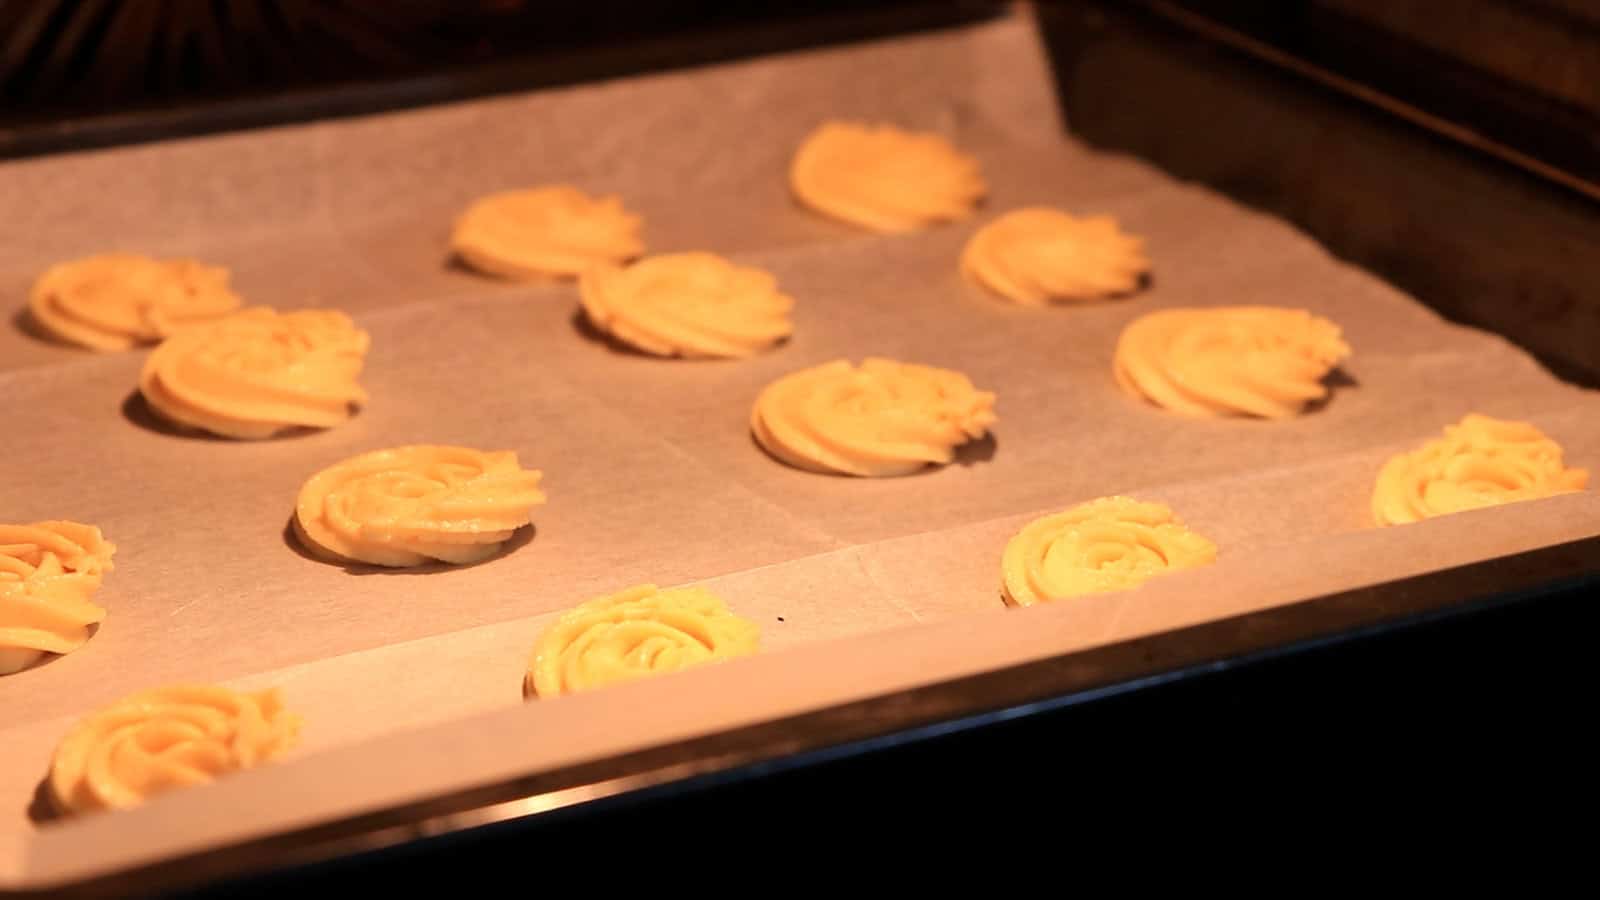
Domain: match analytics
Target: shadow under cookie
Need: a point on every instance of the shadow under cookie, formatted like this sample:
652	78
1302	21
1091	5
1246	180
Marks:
1336	381
42	808
137	411
973	452
291	538
588	331
46	659
24	322
977	451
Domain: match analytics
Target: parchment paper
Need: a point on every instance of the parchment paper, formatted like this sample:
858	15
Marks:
648	464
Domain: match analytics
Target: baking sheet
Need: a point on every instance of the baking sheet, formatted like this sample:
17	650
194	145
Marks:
648	463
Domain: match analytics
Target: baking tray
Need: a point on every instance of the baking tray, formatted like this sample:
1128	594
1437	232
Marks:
1434	173
1283	577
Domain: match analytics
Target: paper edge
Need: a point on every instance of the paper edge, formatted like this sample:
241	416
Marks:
643	714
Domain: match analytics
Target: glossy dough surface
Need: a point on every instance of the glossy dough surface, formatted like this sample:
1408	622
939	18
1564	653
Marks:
48	572
884	178
1229	361
638	632
163	739
555	231
409	506
116	300
258	373
1110	544
1479	462
687	304
1037	255
881	419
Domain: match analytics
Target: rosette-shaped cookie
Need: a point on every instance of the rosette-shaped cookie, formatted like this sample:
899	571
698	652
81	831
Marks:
48	572
409	506
1229	361
166	738
116	300
687	304
259	372
639	632
1110	544
1479	462
1038	255
884	418
883	178
553	231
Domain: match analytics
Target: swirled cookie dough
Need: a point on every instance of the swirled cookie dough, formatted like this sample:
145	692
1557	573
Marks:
1110	544
48	572
258	373
883	178
687	304
409	506
639	632
1038	255
1479	462
555	231
116	300
1229	361
884	418
166	738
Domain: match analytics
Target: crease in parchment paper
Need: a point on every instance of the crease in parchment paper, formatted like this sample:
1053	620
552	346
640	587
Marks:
872	573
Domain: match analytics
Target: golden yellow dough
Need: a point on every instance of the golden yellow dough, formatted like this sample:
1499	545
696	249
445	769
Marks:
687	304
1110	544
883	418
413	505
1229	360
556	231
1037	255
884	178
1479	462
163	739
114	301
48	572
633	634
259	372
